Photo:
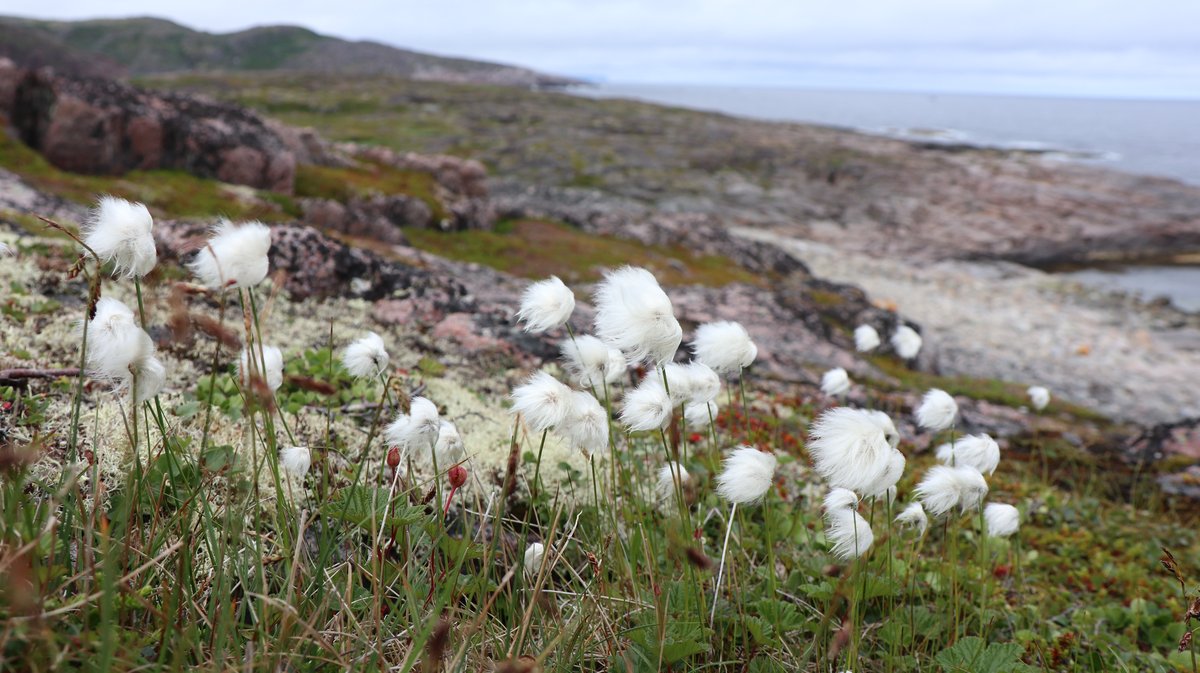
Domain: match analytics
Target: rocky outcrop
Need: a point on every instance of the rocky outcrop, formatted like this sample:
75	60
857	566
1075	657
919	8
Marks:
106	127
461	184
379	217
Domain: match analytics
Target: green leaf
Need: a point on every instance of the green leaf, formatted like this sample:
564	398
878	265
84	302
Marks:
365	507
973	655
680	640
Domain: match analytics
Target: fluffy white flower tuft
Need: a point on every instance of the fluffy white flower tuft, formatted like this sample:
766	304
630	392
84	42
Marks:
295	460
235	256
691	383
591	362
937	410
700	416
945	488
885	485
534	554
1039	397
647	407
914	517
449	448
724	346
852	448
119	232
746	475
849	532
115	342
866	339
586	424
367	357
268	364
906	342
1002	520
636	316
150	378
978	451
7	251
416	433
542	401
545	305
666	479
835	382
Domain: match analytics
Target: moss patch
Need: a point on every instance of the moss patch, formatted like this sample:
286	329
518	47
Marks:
535	248
342	184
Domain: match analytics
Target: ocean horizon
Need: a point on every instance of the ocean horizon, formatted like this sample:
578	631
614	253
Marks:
1145	136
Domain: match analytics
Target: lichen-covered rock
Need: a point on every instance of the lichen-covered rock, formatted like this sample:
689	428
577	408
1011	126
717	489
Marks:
102	126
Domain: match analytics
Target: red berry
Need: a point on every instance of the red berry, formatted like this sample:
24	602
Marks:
457	476
393	457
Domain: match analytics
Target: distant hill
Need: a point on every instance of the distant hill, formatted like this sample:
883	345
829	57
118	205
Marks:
143	46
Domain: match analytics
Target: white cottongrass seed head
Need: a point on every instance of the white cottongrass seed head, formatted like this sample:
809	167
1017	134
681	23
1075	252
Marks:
978	451
591	362
235	256
725	346
906	342
665	488
416	433
150	377
366	357
545	305
945	488
849	532
852	448
119	232
586	424
267	363
543	401
295	460
913	516
885	485
691	383
115	342
636	316
866	338
1039	397
647	407
1002	520
7	250
534	554
937	410
449	448
699	416
835	382
746	475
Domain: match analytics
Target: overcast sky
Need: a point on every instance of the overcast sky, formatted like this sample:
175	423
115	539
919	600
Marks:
1067	47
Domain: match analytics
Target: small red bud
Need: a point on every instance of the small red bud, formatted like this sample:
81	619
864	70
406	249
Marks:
393	457
457	476
89	457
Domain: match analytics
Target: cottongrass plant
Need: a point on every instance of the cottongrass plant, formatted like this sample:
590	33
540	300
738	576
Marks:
853	448
866	339
835	382
633	314
235	256
546	305
745	479
120	233
366	357
906	342
978	451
